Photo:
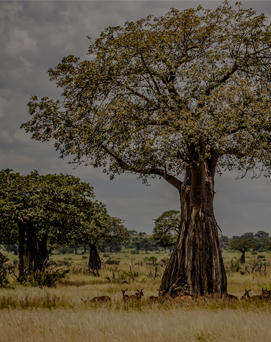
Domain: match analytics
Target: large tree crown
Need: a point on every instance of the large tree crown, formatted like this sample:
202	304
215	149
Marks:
156	89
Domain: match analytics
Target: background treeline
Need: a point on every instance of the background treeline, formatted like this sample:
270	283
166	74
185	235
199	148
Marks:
258	242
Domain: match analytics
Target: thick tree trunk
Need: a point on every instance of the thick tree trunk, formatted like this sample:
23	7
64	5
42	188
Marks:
196	264
94	263
32	253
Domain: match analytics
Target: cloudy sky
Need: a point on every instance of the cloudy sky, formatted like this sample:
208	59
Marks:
34	36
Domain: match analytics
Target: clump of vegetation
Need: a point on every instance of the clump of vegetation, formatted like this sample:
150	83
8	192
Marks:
45	301
233	266
5	270
112	262
46	278
134	251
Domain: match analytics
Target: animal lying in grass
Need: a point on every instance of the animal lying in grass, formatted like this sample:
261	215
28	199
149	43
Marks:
101	299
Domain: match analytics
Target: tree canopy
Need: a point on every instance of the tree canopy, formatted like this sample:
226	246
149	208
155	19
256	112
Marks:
166	229
154	87
53	203
42	207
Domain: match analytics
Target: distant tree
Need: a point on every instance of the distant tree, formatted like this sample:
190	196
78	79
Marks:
166	229
247	236
186	94
261	236
101	228
242	245
224	241
42	208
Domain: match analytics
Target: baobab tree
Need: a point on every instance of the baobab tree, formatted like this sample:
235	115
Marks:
102	228
180	97
36	208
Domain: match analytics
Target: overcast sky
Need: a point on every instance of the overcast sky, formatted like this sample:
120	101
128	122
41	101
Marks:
34	36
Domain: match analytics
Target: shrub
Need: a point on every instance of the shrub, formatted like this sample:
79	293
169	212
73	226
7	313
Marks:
134	251
234	266
38	278
165	260
112	262
105	255
65	250
5	270
254	252
84	257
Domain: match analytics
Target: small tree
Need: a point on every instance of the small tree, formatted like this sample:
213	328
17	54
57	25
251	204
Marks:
179	97
242	245
166	229
101	228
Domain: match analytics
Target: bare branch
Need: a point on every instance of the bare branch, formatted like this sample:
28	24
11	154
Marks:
152	171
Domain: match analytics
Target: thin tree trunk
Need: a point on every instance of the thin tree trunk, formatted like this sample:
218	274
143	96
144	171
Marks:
94	263
243	256
44	252
196	264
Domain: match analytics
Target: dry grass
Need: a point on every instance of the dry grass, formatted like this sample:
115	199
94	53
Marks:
58	314
177	324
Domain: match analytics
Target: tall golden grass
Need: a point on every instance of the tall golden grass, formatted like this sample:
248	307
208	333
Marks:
157	325
59	314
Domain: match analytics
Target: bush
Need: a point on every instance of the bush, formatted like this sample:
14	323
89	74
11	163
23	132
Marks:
134	251
112	262
262	249
105	255
84	257
165	260
38	278
254	252
5	270
261	257
234	266
65	250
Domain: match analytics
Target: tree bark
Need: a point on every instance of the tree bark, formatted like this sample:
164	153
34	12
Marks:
94	263
196	264
44	252
32	253
29	253
243	256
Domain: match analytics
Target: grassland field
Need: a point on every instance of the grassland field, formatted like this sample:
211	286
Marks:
57	314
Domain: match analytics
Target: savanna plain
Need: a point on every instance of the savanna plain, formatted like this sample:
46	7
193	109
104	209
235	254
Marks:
63	313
